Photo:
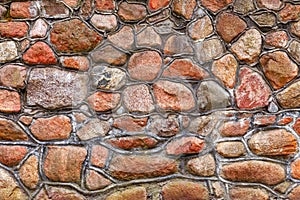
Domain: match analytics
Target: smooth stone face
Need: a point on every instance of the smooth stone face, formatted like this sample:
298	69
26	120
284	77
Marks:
243	7
136	193
10	101
231	149
29	172
208	50
245	193
8	51
103	101
295	28
59	193
184	8
104	22
277	39
39	29
124	38
216	5
13	29
94	128
185	145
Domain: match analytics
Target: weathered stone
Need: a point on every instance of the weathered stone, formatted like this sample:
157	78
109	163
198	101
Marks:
246	193
295	28
277	39
208	49
264	120
201	28
158	4
23	10
216	5
164	127
148	38
185	69
289	12
282	187
203	125
229	26
95	181
10	101
86	9
296	126
26	120
295	169
94	128
104	22
136	193
218	189
105	5
164	27
75	62
13	29
211	95
130	124
68	91
294	50
64	164
3	12
248	46
54	9
286	120
39	53
231	149
124	38
29	172
72	3
177	44
73	36
137	98
52	192
254	171
234	128
183	189
289	97
13	76
270	4
265	19
39	29
12	155
295	193
8	51
252	92
243	7
159	16
173	96
110	55
184	8
278	68
132	142
185	145
132	11
11	131
131	167
99	156
202	166
58	127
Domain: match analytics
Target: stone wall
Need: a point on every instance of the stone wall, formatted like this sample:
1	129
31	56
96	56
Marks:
149	99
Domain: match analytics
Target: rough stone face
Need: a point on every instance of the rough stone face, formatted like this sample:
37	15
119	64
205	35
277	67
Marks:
64	164
185	69
225	70
22	10
157	4
184	8
59	193
39	29
164	127
29	172
132	142
26	120
246	193
130	124
229	26
95	181
296	126
58	127
124	38
13	76
277	39
68	91
289	97
144	65
53	9
75	62
148	38
173	96
86	9
99	156
130	167
289	12
104	22
216	5
294	50
73	36
265	19
10	101
105	5
8	51
177	44
254	171
132	11
110	55
11	131
278	68
72	3
94	128
231	149
203	125
264	120
185	145
252	92
243	7
208	50
137	98
182	189
136	193
295	28
202	166
295	169
12	155
13	29
201	28
295	193
234	128
39	53
270	4
211	95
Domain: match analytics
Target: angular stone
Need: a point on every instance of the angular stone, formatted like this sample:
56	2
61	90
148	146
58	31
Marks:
243	7
104	22
208	49
13	76
159	16
231	149
295	28
144	65
264	172
58	127
11	131
177	44
278	68
54	9
39	29
201	28
252	92
246	193
158	4
124	38
296	126
39	53
29	172
10	101
103	101
289	97
211	95
173	96
99	156
264	120
295	193
22	10
26	120
203	125
294	50
202	166
286	120
234	128
164	27
289	12
52	192
269	4
110	55
8	51
68	92
164	127
215	5
132	11
130	124
75	62
295	169
94	128
95	181
64	164
248	47
86	9
13	29
12	155
184	8
136	193
183	189
133	142
185	145
107	78
185	69
148	38
229	26
72	3
137	98
105	5
73	36
277	39
265	19
130	167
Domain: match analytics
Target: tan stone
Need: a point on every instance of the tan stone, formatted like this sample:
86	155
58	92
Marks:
231	149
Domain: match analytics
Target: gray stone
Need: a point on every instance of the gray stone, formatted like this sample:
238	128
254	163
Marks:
244	7
203	125
110	55
3	11
148	38
266	19
164	27
177	44
94	128
8	51
208	49
165	127
124	38
294	50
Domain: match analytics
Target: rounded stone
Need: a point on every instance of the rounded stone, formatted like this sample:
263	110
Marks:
234	128
10	101
273	4
13	76
104	22
132	11
99	155
208	49
294	50
295	28
277	39
93	129
184	8
231	149
185	145
95	181
8	51
215	5
110	55
124	38
29	172
12	155
9	130
177	44
75	62
148	38
201	28
202	166
133	142
135	193
39	53
157	4
130	124
103	101
105	5
246	193
295	193
289	12
289	97
39	29
13	29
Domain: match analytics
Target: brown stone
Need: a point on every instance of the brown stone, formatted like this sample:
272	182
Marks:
12	155
75	62
124	38
294	50
225	70
264	19
203	125
95	181
295	169
270	4
103	101
64	164
254	171
295	28
9	130
29	172
164	127
177	44
157	4
72	3
58	193
54	9
13	29
185	145
135	193
133	142
23	10
295	193
10	101
173	96
144	65
247	193
58	127
86	9
26	120
130	124
132	11
234	128
216	5
289	12
184	8
202	166
183	189
110	55
39	53
13	76
105	5
99	156
129	167
229	26
243	7
201	28
73	36
277	39
185	69
289	97
231	149
93	129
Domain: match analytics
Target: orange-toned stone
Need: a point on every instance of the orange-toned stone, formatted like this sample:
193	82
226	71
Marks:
296	126
130	124
105	5
185	145
277	39
202	166
295	169
131	142
136	193
13	76
158	4
39	53
13	29
99	156
247	193
215	5
231	149
184	8
235	128
289	12
75	62
264	120
95	181
103	101
23	10
10	101
12	155
286	120
26	120
9	130
132	11
29	172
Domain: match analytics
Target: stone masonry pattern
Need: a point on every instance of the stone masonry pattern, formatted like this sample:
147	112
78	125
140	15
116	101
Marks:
149	100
